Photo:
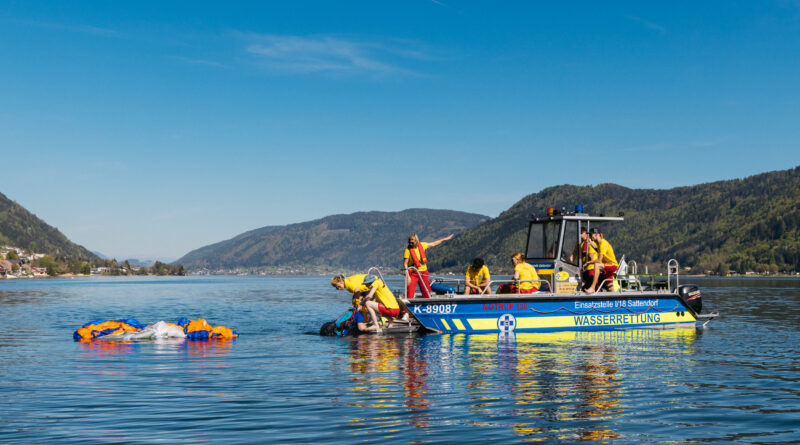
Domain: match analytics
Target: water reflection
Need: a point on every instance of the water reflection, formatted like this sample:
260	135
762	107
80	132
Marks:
562	386
21	297
100	349
387	374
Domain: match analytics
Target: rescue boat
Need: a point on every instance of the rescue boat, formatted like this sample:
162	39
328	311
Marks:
636	301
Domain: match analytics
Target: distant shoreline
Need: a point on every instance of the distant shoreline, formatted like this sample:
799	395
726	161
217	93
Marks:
70	275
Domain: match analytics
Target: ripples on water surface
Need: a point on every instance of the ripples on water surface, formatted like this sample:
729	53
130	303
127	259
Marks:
736	381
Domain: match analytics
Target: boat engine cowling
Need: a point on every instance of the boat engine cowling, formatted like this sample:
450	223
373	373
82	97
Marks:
690	294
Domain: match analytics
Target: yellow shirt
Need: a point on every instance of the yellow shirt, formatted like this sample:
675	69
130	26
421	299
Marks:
480	277
383	295
606	253
407	255
527	272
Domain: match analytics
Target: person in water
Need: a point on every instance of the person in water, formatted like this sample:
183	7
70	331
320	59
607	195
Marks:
375	295
605	263
415	256
525	277
477	278
361	319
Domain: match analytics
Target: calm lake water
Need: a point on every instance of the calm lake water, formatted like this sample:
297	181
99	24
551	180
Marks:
738	380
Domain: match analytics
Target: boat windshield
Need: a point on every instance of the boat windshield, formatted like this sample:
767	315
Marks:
570	247
543	239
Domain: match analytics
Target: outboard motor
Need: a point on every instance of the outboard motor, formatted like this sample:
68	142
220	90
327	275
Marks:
690	294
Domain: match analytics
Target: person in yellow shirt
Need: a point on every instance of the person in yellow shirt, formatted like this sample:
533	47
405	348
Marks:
587	250
525	277
375	295
415	256
477	278
605	263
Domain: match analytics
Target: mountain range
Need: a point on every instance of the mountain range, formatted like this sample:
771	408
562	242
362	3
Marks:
338	242
749	224
21	228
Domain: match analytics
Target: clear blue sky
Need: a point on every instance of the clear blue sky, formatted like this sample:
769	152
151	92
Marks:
148	129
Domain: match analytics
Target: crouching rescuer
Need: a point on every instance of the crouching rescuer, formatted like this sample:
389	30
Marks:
374	293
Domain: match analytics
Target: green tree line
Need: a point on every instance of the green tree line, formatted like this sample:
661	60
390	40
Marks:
78	266
741	225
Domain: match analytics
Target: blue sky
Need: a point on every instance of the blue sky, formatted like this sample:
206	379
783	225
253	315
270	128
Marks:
147	130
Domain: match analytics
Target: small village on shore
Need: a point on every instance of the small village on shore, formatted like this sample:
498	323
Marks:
16	262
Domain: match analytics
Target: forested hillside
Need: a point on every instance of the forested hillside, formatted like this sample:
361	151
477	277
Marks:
339	242
750	224
21	228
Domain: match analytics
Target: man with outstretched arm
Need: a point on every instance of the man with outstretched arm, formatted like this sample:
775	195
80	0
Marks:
415	253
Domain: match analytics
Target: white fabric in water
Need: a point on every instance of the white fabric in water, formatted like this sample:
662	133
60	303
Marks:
150	332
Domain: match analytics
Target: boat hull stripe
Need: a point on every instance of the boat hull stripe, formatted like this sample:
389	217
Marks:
581	321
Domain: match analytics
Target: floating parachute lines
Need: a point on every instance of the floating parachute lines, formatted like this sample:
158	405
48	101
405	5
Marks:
130	329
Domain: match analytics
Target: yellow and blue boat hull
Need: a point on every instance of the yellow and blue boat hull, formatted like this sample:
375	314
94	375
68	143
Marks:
551	312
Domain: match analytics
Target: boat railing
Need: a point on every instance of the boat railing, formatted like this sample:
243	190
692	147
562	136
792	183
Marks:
460	285
632	267
602	285
517	282
377	272
673	269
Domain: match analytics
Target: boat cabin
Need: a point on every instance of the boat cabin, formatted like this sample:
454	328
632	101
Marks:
553	246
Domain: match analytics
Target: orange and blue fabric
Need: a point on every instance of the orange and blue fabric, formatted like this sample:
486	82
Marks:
194	329
99	328
200	330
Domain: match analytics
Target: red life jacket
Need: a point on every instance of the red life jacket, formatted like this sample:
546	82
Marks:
422	258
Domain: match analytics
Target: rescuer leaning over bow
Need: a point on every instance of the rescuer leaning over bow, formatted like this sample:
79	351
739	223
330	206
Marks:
373	294
414	256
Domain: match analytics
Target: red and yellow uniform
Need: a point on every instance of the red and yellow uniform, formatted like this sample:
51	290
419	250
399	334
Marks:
418	259
527	272
606	253
588	252
383	295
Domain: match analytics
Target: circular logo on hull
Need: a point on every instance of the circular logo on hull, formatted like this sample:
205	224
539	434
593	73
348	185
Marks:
506	323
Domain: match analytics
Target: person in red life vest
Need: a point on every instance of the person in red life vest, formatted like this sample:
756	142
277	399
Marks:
605	264
414	256
525	277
